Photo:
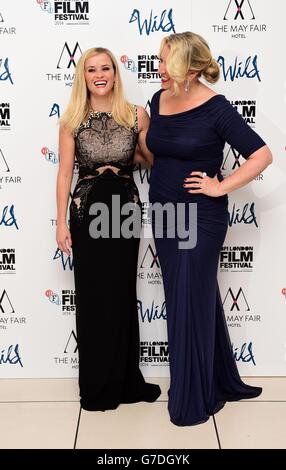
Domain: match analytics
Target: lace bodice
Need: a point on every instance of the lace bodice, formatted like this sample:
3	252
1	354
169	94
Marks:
103	147
100	140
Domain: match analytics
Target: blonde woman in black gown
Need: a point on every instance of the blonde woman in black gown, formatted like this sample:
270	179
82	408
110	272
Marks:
102	130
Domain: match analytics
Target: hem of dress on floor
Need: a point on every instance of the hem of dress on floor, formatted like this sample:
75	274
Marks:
150	395
220	404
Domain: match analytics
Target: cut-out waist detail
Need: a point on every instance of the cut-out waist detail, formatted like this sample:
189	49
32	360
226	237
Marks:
88	173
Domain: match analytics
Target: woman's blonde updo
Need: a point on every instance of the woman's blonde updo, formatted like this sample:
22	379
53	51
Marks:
189	52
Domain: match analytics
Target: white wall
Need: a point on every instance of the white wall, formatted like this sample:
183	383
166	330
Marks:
37	330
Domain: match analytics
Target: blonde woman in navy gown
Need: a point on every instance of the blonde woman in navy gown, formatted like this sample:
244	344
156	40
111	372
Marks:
189	126
102	130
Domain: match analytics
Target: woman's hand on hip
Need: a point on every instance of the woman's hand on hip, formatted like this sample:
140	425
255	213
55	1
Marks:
200	183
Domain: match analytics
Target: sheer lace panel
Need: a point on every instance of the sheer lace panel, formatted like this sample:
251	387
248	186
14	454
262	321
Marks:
103	147
100	139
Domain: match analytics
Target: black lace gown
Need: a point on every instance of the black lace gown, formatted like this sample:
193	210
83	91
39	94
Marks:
105	269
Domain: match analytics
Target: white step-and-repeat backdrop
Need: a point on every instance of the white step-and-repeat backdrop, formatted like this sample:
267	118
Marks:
41	42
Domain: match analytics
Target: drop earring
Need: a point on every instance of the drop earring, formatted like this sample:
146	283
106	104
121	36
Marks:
187	86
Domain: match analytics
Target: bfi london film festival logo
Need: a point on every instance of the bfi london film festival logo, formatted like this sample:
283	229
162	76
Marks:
8	316
5	117
154	353
239	20
247	110
232	158
69	356
237	309
236	259
7	178
65	300
149	267
66	12
49	155
144	66
7	261
5	28
146	217
67	60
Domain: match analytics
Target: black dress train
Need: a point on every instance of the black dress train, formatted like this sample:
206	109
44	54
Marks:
105	269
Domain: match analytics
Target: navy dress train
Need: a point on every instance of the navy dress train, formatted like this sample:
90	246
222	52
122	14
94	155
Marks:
203	371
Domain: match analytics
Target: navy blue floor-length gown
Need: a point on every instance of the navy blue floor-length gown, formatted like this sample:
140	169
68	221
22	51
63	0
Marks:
203	371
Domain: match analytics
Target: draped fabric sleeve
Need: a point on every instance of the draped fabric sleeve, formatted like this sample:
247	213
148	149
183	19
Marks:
232	128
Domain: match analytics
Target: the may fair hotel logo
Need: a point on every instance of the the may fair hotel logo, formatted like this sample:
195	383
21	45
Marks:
7	176
5	27
149	267
68	57
68	356
9	317
232	161
239	19
237	308
66	12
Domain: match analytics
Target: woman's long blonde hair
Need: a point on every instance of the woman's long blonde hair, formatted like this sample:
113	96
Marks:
189	52
79	104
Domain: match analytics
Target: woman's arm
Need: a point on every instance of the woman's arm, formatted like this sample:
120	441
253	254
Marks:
142	153
64	179
252	167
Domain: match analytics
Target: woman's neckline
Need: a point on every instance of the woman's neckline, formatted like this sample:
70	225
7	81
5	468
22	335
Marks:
188	110
94	111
